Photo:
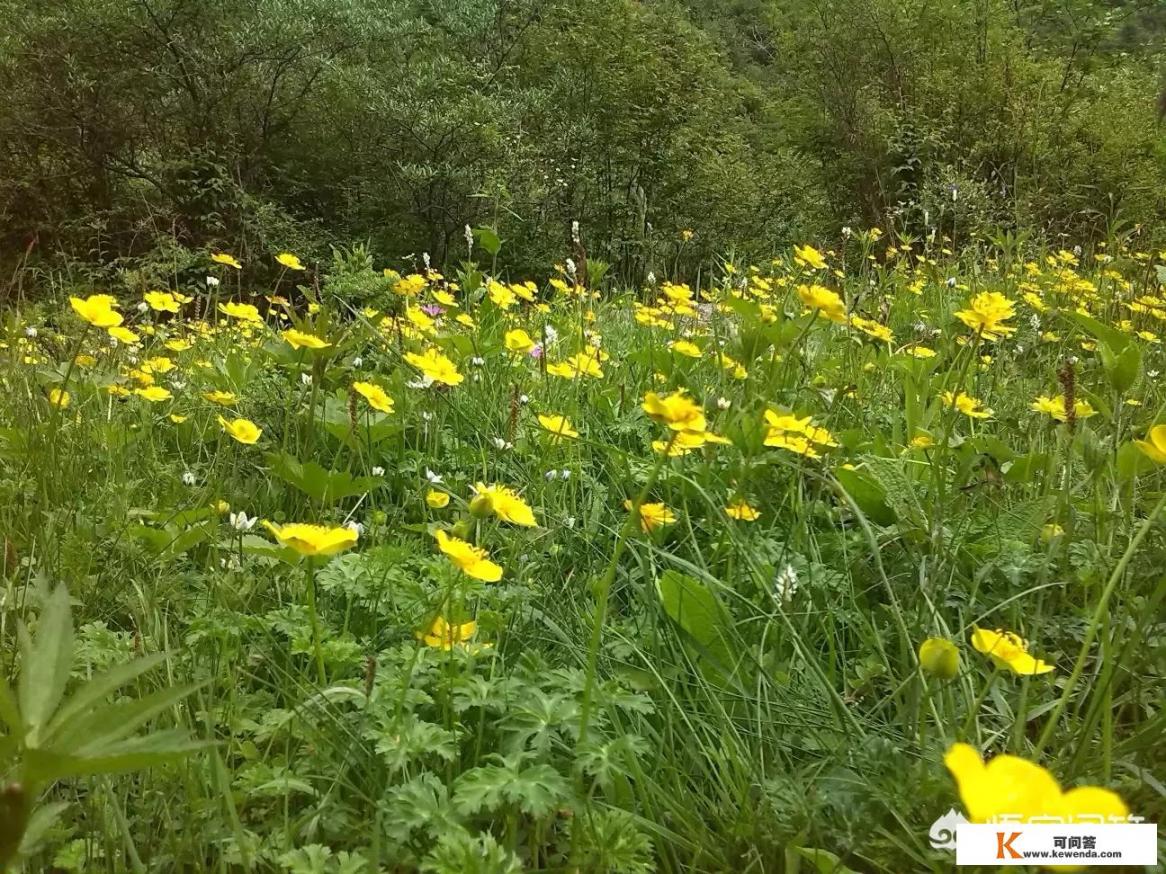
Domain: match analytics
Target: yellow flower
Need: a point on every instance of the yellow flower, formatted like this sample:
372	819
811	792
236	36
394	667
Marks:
503	502
683	442
502	297
1008	651
741	511
375	395
222	398
435	366
1154	446
178	345
436	500
678	411
873	329
652	516
825	301
987	314
97	310
223	258
581	364
518	341
154	394
471	560
243	430
559	426
58	397
786	431
1012	785
444	636
1051	531
124	335
966	404
303	340
313	539
290	261
161	301
1055	407
177	419
922	352
808	256
922	441
245	312
685	348
158	364
939	657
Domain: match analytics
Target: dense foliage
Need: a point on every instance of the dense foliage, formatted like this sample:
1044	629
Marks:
129	127
373	572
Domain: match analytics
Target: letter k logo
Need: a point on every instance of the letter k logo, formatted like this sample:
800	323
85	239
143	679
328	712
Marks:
1002	845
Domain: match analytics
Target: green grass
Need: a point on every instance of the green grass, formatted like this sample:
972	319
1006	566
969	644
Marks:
631	701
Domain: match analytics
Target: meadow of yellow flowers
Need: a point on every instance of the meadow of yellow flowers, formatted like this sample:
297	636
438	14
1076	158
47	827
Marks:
764	572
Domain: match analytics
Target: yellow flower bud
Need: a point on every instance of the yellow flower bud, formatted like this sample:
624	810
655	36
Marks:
939	658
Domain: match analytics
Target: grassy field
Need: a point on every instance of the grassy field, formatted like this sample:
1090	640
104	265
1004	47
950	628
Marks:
370	571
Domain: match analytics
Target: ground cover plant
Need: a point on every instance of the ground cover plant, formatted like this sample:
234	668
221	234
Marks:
364	570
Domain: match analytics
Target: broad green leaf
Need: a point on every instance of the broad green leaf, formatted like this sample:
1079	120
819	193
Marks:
868	495
489	240
253	544
45	668
1025	468
1124	368
39	823
696	609
319	483
10	711
1113	338
1132	462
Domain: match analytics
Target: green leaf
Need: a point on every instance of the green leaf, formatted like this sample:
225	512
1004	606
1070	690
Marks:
131	754
1132	462
868	495
97	689
1113	338
45	668
1024	468
1123	368
39	823
489	240
10	711
100	728
538	790
697	610
823	861
319	483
